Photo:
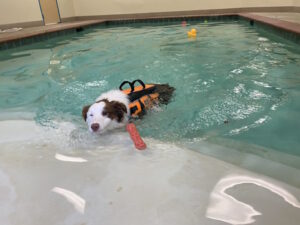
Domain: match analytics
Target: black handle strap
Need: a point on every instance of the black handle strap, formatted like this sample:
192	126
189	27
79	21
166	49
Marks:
127	82
131	84
141	83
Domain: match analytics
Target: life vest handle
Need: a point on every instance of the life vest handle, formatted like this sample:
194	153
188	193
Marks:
131	84
126	82
140	81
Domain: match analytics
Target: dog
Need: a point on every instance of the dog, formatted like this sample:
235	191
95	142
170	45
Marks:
115	108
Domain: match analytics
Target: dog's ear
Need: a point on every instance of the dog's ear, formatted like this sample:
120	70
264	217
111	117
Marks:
85	109
119	110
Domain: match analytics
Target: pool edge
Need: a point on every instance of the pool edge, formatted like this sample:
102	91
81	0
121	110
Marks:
36	35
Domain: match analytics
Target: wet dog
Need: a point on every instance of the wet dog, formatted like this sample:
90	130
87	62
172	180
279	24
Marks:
114	108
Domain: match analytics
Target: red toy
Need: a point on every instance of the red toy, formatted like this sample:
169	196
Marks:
135	137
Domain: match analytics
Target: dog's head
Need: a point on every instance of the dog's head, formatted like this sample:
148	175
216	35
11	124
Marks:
104	115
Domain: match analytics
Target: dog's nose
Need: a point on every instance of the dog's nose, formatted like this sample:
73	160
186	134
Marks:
95	127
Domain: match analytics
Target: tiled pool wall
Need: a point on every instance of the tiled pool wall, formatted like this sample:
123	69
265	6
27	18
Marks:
295	37
42	37
261	26
167	20
277	31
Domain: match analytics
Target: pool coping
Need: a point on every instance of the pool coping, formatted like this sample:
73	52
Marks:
31	35
280	24
14	39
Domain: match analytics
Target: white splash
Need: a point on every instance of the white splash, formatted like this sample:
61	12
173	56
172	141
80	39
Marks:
262	84
274	107
257	95
261	120
54	62
263	39
239	130
237	71
99	83
240	88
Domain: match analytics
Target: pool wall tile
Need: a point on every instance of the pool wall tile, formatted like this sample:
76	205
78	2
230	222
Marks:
260	24
269	24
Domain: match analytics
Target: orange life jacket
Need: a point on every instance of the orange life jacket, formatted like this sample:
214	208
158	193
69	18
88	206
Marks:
141	97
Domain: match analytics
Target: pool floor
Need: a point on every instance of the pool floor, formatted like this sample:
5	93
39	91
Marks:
43	181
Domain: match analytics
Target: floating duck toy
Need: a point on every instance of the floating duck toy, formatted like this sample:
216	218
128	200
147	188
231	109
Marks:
192	33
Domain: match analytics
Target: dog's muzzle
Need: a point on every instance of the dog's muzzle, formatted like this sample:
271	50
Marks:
95	127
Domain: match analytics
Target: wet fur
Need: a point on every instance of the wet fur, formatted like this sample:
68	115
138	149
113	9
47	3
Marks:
111	109
165	93
114	110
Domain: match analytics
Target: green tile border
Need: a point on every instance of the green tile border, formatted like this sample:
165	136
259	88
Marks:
167	20
149	21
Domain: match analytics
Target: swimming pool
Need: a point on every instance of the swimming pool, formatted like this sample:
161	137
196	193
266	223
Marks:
236	99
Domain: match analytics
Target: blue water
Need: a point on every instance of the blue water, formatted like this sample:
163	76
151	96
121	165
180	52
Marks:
232	82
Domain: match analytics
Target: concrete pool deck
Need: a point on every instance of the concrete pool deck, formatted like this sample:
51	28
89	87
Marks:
40	30
286	21
283	20
289	17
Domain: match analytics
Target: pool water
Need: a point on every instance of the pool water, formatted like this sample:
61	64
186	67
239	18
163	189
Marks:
232	82
236	106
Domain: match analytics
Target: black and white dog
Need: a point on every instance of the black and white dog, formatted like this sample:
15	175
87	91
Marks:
114	108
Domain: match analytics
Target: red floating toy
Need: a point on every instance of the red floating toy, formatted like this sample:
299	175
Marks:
135	137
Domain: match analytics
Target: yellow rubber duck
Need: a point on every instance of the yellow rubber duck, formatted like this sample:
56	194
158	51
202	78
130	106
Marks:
192	33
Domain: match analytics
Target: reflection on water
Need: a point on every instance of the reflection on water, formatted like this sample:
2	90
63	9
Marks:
74	199
226	208
69	159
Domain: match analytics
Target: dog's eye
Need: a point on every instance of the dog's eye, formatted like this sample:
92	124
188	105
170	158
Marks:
91	115
104	113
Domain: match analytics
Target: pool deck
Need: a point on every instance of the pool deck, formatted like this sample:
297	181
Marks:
289	17
40	30
286	21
